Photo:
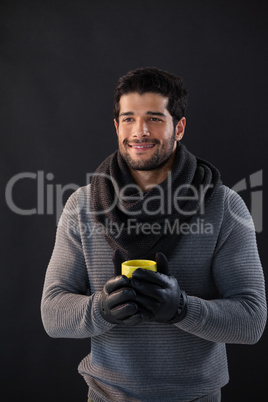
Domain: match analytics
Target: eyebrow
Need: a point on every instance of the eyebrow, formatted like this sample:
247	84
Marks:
149	113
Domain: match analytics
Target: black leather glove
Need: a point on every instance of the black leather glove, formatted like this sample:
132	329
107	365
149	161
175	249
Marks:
159	294
117	300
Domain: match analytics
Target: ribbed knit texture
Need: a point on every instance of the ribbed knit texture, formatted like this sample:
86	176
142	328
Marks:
187	172
219	270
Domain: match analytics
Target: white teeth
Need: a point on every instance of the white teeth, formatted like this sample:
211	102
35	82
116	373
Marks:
142	146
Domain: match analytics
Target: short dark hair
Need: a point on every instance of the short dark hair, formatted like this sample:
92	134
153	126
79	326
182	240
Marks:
152	79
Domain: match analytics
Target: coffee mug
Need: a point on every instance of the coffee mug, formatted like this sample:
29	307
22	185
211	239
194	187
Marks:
128	267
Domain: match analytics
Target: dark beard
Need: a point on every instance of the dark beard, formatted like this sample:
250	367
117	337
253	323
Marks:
158	160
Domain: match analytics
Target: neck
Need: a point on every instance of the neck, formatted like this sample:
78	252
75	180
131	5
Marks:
147	179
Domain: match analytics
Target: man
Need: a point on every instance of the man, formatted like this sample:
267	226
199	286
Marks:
158	336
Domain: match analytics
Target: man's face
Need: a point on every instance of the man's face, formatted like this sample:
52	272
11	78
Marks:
146	135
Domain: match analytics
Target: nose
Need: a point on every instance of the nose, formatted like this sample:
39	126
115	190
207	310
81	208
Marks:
140	129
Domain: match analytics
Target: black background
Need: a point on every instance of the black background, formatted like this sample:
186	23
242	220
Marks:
59	64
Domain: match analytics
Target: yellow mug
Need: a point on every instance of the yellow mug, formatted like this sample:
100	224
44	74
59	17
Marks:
128	267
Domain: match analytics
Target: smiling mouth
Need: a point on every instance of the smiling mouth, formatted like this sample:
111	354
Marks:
141	146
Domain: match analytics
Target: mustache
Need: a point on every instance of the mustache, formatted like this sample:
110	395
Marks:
144	141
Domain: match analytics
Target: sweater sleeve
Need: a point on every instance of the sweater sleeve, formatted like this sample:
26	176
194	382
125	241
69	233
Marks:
239	314
67	309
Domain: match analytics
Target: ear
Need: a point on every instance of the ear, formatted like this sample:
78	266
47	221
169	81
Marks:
180	128
116	126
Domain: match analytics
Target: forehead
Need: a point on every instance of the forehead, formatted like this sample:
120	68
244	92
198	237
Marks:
149	101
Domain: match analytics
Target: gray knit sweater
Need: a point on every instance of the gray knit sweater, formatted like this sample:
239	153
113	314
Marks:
216	262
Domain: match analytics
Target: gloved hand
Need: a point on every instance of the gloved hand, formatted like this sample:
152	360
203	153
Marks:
117	301
159	294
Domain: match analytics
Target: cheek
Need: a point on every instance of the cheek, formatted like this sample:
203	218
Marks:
121	137
122	132
167	134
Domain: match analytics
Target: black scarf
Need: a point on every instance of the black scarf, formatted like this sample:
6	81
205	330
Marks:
141	224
